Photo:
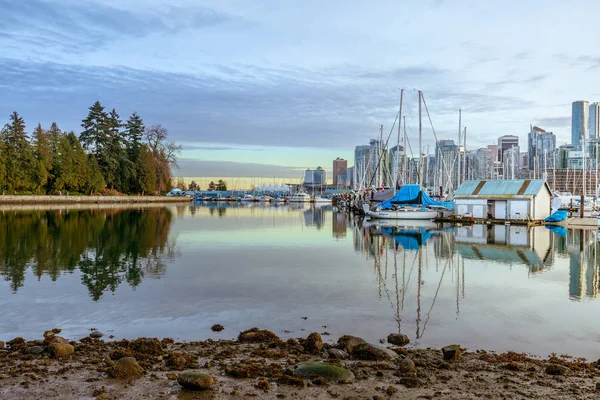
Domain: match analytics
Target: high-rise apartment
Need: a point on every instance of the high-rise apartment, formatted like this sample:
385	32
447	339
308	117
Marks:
540	148
579	122
340	166
594	121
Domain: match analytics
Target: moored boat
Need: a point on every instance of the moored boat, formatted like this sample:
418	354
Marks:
406	212
299	198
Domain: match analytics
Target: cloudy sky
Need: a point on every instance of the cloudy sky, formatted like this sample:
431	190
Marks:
266	88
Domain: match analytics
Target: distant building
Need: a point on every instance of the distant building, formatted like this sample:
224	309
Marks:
396	157
541	146
319	176
446	164
366	161
579	122
594	121
511	158
506	142
563	155
309	177
340	166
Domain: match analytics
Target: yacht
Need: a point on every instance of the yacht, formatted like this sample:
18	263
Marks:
319	199
299	198
405	212
248	197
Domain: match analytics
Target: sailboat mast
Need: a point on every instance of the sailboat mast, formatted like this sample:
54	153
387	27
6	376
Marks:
397	160
420	144
405	159
459	140
465	157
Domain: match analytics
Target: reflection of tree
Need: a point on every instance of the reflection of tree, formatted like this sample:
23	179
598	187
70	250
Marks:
109	247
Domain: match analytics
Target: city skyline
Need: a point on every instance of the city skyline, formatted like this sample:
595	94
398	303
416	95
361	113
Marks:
250	91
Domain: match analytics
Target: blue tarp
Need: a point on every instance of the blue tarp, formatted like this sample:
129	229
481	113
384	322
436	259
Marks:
557	216
413	195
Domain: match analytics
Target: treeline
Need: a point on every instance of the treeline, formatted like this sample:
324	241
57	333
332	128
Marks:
108	154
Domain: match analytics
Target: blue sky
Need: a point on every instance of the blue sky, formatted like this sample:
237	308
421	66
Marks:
267	88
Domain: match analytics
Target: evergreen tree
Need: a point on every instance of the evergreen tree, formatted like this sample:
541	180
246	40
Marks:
20	163
146	171
133	134
63	164
95	181
95	129
221	185
212	186
42	152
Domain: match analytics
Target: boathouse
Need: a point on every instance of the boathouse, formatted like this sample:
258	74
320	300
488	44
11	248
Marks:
519	199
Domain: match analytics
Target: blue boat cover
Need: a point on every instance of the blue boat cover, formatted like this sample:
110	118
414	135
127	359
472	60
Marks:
557	216
557	230
413	195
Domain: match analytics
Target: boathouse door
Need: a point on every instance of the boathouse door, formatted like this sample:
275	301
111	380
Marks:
500	209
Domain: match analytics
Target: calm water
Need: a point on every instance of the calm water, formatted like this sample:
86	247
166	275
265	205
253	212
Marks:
176	271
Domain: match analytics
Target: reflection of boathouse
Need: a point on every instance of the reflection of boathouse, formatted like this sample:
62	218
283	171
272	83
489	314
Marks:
506	244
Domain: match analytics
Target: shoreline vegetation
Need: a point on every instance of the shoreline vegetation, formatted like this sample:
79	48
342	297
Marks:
108	157
258	364
88	200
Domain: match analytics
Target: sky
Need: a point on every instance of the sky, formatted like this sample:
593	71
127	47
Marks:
261	90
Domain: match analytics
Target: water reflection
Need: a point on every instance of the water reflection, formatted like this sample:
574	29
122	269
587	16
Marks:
108	246
403	256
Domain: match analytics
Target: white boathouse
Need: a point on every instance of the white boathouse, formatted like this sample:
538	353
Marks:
519	199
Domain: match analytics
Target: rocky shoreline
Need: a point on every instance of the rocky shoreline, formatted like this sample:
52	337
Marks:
261	365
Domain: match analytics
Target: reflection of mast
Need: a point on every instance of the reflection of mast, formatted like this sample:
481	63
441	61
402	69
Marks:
420	272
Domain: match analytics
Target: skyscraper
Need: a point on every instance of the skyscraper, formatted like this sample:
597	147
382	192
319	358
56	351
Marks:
506	142
579	122
540	148
340	166
594	121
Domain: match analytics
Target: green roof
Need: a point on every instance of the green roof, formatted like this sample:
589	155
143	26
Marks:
500	188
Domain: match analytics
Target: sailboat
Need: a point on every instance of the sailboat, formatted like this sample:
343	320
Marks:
410	202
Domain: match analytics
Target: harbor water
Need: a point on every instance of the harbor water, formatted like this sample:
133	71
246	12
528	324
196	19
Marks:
174	271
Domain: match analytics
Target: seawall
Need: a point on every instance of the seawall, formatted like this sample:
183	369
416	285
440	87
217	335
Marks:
91	199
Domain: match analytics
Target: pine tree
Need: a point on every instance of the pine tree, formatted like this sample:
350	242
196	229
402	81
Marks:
95	181
42	152
146	171
221	185
95	129
212	186
20	163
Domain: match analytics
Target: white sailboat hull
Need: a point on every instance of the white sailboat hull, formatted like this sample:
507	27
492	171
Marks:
403	214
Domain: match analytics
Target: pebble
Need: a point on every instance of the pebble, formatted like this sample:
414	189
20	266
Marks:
126	368
61	350
348	343
406	367
313	343
451	352
35	350
96	334
329	372
338	354
366	351
399	339
556	369
194	380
